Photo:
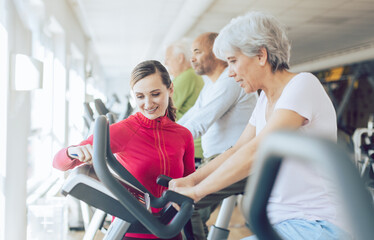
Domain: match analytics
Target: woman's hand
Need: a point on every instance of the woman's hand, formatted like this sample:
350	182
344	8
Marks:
184	186
82	153
189	192
180	182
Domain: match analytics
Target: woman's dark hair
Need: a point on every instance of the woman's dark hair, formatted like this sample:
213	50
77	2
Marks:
147	68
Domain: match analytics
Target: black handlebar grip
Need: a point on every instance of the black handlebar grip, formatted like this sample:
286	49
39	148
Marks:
163	180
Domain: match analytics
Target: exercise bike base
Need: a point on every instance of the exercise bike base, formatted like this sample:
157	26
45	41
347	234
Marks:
217	233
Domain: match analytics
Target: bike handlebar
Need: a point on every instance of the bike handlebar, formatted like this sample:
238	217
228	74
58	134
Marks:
100	158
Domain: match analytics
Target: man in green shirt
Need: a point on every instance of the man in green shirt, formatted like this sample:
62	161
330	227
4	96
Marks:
187	84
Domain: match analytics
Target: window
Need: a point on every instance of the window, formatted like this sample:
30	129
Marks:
76	100
48	111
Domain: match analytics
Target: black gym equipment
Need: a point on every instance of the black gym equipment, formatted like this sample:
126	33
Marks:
106	192
100	107
363	139
326	155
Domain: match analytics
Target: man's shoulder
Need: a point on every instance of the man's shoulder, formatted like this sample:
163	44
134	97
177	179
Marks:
232	88
228	82
225	78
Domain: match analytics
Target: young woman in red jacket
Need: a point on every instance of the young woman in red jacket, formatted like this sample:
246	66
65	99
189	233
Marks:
148	143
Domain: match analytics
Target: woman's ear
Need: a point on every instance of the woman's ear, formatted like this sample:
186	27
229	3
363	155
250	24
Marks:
171	89
263	56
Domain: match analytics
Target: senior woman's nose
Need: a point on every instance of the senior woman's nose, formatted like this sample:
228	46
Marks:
231	72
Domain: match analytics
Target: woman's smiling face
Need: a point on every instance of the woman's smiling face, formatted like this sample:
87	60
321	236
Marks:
152	96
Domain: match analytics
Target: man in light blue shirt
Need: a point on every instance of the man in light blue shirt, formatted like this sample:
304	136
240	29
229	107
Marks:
219	116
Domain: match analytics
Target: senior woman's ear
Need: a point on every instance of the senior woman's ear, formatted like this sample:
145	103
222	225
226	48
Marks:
262	56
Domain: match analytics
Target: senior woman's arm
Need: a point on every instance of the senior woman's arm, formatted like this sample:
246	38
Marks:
196	177
237	166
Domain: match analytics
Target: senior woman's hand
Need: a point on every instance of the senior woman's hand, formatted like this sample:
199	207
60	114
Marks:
185	186
180	182
189	192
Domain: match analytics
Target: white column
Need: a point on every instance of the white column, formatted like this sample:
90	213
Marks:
3	108
16	165
17	117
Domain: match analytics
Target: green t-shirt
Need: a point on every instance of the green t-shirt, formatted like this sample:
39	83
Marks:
187	87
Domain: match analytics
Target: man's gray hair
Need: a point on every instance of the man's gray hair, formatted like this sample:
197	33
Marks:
182	46
250	33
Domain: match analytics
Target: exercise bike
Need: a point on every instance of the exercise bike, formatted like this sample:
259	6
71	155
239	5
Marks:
108	186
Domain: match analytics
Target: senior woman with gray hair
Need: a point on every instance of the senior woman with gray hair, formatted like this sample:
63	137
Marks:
257	50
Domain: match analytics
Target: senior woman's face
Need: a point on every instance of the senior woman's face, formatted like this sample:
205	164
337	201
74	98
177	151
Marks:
245	70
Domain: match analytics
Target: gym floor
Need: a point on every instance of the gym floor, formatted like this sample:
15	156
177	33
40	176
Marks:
237	227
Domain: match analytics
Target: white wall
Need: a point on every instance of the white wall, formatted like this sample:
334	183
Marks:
19	24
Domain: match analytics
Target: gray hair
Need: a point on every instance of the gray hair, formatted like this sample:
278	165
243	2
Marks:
250	33
182	46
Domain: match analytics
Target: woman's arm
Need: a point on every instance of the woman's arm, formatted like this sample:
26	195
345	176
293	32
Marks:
238	164
195	178
189	155
70	157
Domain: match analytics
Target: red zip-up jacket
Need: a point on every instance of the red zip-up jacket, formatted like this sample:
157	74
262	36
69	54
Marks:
146	148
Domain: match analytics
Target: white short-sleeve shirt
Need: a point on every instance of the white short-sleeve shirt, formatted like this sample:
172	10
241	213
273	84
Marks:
300	191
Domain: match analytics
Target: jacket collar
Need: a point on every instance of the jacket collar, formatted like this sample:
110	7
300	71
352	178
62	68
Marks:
152	123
